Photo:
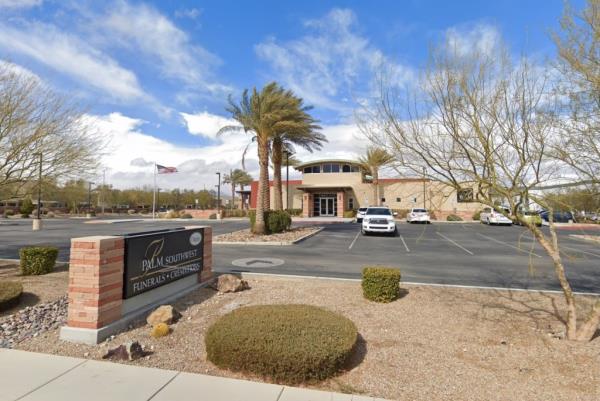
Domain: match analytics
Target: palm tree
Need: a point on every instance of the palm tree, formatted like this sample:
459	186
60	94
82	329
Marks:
265	115
305	135
236	177
372	161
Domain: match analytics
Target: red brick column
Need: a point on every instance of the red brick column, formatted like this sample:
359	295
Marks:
307	204
95	281
341	203
206	273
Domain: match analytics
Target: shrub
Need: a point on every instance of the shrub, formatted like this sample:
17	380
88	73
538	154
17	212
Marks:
10	292
185	216
9	212
381	284
432	215
38	260
277	221
294	212
350	213
26	208
453	217
287	343
477	215
401	213
234	213
213	216
131	211
160	330
50	214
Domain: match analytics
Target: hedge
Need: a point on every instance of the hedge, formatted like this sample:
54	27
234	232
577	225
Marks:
477	215
453	217
381	284
286	343
38	260
10	292
276	221
350	213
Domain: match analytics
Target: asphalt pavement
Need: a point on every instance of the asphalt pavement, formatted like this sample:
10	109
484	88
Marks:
456	254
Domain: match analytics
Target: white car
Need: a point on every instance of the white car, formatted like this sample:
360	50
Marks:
418	216
490	216
378	219
360	214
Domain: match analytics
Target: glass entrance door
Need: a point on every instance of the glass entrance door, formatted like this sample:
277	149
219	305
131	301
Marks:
327	206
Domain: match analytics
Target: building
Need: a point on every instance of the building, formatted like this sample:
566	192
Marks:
331	187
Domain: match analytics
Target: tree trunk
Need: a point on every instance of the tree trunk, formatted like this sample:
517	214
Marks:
375	174
263	184
232	195
276	156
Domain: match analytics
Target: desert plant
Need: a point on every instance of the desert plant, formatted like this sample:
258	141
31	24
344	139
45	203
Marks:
185	216
131	211
453	217
26	208
350	213
50	214
294	212
476	215
37	260
381	284
287	343
401	213
212	216
160	330
10	292
9	212
278	221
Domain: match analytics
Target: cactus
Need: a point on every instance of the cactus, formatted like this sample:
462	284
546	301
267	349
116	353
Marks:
160	330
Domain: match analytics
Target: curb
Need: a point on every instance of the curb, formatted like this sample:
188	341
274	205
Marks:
272	243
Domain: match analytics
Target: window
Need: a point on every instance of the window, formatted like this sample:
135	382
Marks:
383	200
327	168
335	168
398	200
316	169
464	195
307	170
351	203
414	200
355	169
345	168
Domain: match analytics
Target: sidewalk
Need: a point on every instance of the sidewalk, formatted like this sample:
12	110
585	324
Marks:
31	376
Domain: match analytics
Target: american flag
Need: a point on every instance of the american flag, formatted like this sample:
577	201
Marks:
165	170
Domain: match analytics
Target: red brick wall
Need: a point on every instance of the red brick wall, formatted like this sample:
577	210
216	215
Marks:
201	214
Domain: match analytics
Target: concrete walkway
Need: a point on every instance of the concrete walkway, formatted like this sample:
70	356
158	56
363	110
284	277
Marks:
31	376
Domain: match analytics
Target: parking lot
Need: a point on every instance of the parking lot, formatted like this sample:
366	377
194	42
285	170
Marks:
458	254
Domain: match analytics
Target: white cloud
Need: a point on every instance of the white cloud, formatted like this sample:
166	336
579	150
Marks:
480	38
20	3
143	28
206	124
71	56
20	70
191	13
336	61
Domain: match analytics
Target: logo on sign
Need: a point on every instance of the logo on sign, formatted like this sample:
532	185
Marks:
195	238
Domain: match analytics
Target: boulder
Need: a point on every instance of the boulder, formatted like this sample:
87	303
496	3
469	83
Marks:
163	314
231	283
126	352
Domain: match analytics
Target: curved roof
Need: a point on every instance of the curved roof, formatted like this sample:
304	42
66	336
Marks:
321	161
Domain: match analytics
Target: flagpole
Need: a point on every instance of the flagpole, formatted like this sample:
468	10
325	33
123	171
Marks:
154	194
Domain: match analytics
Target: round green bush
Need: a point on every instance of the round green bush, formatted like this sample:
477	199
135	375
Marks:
287	343
476	215
37	260
453	217
380	284
10	292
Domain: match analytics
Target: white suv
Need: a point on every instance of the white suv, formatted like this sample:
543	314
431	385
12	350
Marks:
490	216
379	219
418	215
360	215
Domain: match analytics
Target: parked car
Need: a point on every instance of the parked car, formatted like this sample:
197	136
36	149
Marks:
491	216
558	216
360	214
531	216
418	216
378	219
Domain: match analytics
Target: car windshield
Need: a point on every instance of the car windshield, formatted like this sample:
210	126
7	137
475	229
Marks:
379	211
419	210
362	209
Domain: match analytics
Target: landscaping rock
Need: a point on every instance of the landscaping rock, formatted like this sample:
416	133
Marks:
163	314
126	352
231	283
32	321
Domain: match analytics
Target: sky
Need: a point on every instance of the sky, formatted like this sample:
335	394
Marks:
154	76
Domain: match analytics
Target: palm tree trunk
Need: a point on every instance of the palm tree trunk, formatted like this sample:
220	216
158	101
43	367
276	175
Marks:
263	184
276	157
376	186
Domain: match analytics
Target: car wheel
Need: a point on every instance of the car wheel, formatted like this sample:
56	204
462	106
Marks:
363	232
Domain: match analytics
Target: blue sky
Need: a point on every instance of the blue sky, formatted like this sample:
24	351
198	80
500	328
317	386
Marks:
154	75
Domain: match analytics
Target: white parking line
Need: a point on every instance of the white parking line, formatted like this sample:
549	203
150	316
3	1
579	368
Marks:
354	240
510	245
402	238
579	250
455	243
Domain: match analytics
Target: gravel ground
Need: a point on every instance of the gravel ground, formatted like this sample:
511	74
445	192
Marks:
36	289
432	344
248	236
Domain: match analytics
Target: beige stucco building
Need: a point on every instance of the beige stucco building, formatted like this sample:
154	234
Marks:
331	187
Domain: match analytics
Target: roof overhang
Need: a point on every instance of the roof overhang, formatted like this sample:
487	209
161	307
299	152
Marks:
323	187
321	161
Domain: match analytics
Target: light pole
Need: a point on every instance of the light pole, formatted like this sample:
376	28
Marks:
90	199
103	188
287	178
424	204
37	222
158	198
219	196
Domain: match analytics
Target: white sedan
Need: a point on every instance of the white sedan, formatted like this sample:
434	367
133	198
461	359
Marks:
490	216
418	216
378	220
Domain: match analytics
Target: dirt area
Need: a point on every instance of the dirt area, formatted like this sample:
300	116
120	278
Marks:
432	344
36	289
247	236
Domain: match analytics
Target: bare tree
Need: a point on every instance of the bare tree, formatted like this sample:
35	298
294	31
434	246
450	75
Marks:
34	121
480	123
